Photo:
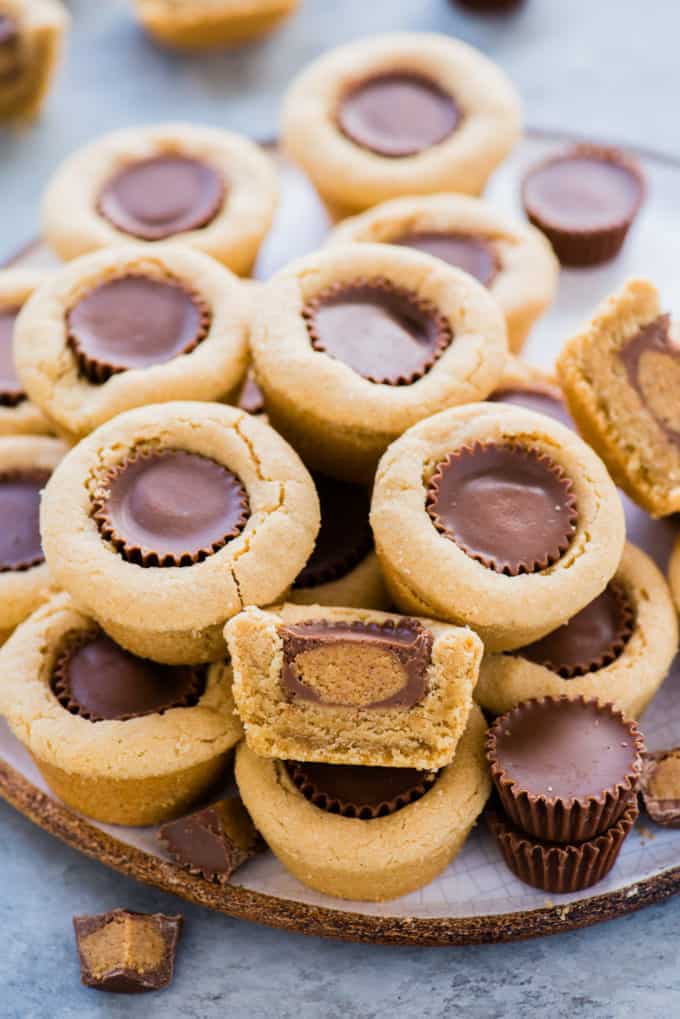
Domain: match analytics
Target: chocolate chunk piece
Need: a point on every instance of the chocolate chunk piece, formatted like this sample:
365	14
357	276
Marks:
126	952
584	200
643	357
397	114
538	399
134	322
354	790
367	665
20	546
660	786
11	392
97	679
155	198
508	506
345	537
475	255
251	397
170	508
212	842
386	334
591	640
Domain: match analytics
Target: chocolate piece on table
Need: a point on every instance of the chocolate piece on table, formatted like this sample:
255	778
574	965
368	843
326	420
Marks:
213	842
538	398
345	537
507	506
125	952
359	791
653	341
385	333
475	255
11	391
660	786
367	665
155	198
20	546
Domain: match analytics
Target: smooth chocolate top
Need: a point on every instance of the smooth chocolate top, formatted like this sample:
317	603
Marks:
355	790
171	508
11	392
214	841
345	536
652	338
127	953
384	333
20	546
507	506
156	198
474	255
397	114
562	749
100	681
592	639
537	399
582	192
134	322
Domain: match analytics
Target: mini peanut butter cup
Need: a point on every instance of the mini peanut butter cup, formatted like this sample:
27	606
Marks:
386	334
660	786
20	545
95	678
127	953
591	640
213	842
398	113
357	664
564	770
11	391
134	321
561	868
345	537
585	201
357	791
653	338
170	507
474	254
155	198
509	507
541	399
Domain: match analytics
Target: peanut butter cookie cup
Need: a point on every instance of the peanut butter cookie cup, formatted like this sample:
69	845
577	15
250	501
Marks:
513	261
399	114
351	686
104	726
370	833
18	415
619	648
496	517
355	343
208	24
167	520
207	188
31	33
126	327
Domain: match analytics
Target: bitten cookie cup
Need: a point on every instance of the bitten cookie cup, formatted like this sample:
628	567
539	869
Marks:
31	35
355	343
129	326
620	377
619	648
26	463
399	114
495	517
18	416
208	24
210	189
513	261
118	738
525	385
350	686
167	520
369	857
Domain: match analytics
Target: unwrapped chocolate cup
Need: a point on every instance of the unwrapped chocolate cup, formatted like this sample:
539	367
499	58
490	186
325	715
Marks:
659	786
553	815
561	869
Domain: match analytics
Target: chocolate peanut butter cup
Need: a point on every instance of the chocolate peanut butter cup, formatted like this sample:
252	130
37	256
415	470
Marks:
651	343
20	546
591	640
509	507
397	114
127	953
475	255
134	322
11	392
213	842
585	201
358	791
565	770
660	786
153	199
362	665
98	680
538	399
387	334
561	868
345	537
170	507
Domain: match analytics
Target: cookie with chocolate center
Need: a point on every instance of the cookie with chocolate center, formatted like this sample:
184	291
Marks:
31	34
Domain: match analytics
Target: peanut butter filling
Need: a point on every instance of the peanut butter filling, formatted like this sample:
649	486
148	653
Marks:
133	945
